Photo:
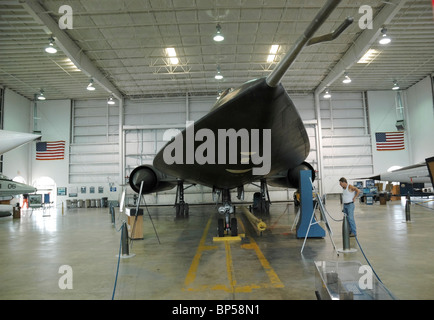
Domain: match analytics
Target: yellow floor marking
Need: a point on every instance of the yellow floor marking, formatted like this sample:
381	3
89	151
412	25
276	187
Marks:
191	275
274	279
233	287
229	266
229	238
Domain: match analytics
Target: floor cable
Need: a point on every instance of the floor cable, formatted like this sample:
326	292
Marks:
119	259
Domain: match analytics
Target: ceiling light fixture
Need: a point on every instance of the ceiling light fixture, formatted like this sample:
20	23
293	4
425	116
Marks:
384	38
110	101
219	75
90	86
171	53
50	48
218	36
327	94
273	50
41	95
347	79
395	85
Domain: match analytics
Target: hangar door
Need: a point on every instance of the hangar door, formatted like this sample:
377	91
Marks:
94	148
346	140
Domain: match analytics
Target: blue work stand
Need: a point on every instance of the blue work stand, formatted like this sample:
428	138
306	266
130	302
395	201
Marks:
307	226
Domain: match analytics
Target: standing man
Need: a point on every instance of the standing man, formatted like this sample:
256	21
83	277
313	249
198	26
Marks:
349	195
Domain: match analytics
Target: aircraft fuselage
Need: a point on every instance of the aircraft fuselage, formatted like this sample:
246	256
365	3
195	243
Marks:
275	134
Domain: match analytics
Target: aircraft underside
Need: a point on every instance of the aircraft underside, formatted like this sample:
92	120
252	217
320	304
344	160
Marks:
227	223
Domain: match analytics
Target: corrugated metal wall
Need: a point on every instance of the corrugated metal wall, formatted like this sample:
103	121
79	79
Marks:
94	148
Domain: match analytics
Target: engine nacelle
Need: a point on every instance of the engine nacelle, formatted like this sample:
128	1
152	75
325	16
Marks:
293	174
153	180
292	179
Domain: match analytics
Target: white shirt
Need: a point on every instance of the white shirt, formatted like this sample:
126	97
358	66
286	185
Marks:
347	195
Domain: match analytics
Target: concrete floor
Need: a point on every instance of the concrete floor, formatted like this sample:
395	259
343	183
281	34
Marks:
189	265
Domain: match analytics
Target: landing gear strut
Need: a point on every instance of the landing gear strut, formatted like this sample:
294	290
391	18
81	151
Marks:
228	223
261	200
181	208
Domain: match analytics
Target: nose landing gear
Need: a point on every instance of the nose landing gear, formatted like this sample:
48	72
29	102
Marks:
229	222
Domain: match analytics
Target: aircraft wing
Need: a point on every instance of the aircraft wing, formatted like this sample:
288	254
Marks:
11	139
9	188
417	173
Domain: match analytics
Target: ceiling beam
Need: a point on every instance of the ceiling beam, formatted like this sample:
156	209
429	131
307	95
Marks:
362	44
68	46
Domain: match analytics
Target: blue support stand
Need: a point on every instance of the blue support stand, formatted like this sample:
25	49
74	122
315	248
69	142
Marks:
307	226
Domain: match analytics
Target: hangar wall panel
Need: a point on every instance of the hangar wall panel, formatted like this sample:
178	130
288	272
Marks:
420	122
346	139
53	120
383	117
94	149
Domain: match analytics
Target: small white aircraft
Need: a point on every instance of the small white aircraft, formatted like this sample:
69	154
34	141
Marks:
422	172
8	188
417	173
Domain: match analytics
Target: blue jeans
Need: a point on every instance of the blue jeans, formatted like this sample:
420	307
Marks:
349	210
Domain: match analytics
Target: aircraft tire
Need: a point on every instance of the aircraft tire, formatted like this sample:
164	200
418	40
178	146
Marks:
221	227
186	210
234	227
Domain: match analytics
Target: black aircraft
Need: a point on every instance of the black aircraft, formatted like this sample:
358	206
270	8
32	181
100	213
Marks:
252	133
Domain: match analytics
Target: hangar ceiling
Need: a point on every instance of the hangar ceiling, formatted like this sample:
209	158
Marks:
124	43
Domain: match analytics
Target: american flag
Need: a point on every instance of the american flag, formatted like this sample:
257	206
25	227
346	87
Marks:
390	141
50	150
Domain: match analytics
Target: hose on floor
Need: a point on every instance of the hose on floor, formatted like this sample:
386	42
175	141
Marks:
119	259
370	265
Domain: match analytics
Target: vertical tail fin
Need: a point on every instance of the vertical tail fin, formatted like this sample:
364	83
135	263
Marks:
277	74
430	165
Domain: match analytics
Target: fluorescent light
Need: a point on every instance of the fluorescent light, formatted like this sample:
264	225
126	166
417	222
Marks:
174	60
369	56
273	50
171	53
270	58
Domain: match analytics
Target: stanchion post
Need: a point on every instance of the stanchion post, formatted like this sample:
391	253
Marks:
346	236
125	247
407	208
112	214
345	233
